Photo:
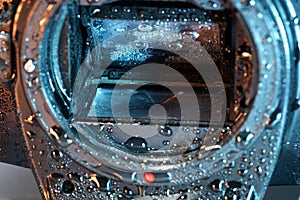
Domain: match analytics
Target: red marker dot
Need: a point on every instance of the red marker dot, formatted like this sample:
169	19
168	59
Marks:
149	177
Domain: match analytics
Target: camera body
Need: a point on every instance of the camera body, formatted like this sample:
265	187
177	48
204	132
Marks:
59	59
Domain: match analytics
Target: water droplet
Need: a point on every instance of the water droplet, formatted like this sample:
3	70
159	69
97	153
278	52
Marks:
295	105
120	30
93	1
246	54
136	144
56	154
141	45
29	66
183	197
128	191
30	134
248	2
217	185
197	131
57	132
275	118
262	160
258	170
97	10
41	153
212	4
114	9
268	66
267	39
243	172
35	81
145	27
68	187
30	119
91	189
262	151
126	10
2	116
196	145
109	130
175	46
232	194
60	135
244	137
186	129
260	15
296	20
252	2
102	183
165	131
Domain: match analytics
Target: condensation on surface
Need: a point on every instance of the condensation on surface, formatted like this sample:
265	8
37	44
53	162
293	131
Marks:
12	147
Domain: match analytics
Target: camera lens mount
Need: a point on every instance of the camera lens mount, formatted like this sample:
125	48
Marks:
172	100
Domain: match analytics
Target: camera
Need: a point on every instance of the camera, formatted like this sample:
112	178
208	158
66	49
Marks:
186	99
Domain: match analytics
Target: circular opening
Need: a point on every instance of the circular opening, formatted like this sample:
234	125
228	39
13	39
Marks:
124	77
